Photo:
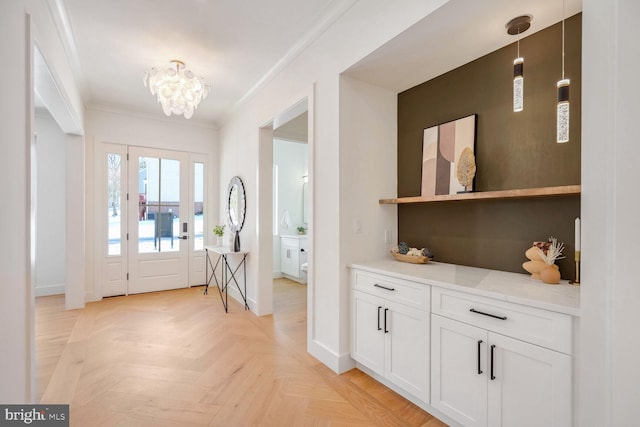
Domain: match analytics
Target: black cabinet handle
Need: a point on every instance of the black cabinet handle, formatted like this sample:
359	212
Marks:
384	287
379	328
479	350
473	310
386	331
493	377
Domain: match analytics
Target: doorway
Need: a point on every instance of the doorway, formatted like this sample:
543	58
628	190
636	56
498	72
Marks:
290	217
152	219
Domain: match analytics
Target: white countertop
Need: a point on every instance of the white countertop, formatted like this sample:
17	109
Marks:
501	285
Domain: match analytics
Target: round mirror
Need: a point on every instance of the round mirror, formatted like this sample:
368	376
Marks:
236	204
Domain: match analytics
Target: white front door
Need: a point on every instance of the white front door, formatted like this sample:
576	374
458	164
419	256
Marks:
152	228
158	193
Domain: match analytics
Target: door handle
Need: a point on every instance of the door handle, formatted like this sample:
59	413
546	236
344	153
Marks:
493	377
479	351
383	287
473	310
386	331
184	237
379	308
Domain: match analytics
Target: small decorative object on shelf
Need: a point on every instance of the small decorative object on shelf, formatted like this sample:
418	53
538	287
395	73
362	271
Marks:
218	230
466	169
535	263
404	253
550	274
577	254
301	230
236	241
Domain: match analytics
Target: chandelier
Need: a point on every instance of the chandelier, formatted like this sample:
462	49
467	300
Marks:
178	89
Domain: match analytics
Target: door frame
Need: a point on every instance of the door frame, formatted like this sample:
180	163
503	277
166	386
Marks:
101	148
264	291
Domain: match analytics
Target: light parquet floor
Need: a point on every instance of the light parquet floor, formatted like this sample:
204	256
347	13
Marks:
176	359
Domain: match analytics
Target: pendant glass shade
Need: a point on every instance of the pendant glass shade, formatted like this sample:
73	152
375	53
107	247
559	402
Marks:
178	90
518	84
562	132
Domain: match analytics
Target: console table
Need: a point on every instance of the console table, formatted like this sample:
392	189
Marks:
228	272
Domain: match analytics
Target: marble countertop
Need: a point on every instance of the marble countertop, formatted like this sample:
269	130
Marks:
500	285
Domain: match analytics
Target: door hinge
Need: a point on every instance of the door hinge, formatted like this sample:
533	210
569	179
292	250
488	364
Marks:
127	156
127	236
127	276
127	196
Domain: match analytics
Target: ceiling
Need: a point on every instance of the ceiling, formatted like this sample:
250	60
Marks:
431	48
238	45
234	44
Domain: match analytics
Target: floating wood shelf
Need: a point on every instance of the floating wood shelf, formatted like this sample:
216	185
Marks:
565	190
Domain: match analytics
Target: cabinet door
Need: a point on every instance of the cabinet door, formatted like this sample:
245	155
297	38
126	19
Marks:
367	331
407	348
459	371
532	385
289	260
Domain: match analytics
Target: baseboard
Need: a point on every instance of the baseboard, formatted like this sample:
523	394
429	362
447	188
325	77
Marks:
422	405
338	363
302	280
47	290
277	275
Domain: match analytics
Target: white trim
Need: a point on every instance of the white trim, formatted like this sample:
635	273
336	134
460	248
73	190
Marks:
338	363
43	291
322	25
150	116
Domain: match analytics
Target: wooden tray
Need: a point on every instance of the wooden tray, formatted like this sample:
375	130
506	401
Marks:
413	259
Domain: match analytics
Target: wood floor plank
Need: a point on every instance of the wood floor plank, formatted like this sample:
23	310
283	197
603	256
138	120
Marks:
176	358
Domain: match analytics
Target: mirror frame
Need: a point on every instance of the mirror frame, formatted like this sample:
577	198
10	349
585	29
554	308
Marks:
242	203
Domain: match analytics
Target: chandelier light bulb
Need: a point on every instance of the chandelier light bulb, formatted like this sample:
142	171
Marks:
177	89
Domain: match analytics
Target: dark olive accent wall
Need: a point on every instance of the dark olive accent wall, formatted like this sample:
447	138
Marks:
513	150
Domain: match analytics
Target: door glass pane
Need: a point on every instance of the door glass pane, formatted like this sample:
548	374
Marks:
148	202
168	227
198	206
158	205
113	213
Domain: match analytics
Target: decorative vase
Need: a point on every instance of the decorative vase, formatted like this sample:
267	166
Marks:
550	274
219	241
534	267
533	254
535	263
236	242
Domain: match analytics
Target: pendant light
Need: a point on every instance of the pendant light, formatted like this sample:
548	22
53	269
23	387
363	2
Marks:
518	26
562	123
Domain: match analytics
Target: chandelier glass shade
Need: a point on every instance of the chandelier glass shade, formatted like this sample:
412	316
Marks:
177	88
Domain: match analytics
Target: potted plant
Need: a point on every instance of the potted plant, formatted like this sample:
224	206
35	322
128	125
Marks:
301	230
218	230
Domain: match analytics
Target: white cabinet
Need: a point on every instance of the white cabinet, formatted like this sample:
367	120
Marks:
480	377
293	254
390	330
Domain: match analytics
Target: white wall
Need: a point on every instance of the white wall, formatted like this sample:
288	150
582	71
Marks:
368	172
172	133
22	24
50	275
363	28
16	300
610	349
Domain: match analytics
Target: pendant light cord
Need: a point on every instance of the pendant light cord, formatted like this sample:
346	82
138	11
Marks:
562	39
518	42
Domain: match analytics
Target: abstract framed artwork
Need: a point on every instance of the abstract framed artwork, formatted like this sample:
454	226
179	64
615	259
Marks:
444	148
